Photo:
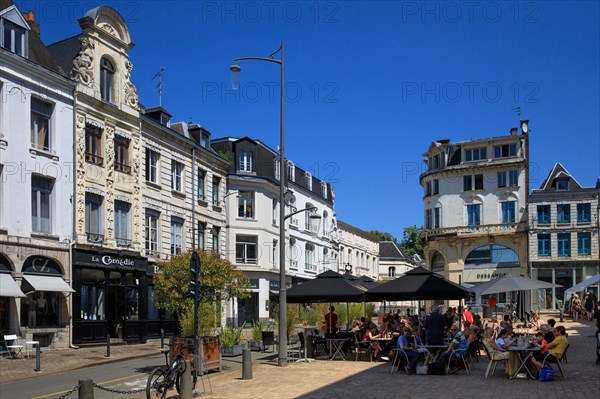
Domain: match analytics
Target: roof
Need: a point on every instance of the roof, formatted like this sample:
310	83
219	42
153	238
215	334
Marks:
390	249
357	231
65	51
558	171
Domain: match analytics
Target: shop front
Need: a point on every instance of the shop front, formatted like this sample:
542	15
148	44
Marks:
111	297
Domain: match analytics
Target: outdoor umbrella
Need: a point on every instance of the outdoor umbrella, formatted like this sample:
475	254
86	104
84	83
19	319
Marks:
328	286
510	283
585	283
368	282
417	284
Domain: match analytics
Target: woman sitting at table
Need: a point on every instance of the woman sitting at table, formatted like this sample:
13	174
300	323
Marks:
536	321
496	352
369	336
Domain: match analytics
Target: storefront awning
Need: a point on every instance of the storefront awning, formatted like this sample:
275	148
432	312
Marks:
48	283
8	287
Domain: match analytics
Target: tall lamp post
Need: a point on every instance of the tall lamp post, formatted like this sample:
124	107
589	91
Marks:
235	69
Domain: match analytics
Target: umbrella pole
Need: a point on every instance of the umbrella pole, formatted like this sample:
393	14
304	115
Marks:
347	316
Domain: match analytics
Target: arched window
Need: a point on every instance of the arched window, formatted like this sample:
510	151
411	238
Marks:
492	256
107	72
438	264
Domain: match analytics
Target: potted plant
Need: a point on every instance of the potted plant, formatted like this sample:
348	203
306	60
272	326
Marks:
255	342
231	341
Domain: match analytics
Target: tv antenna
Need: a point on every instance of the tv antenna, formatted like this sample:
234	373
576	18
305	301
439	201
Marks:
518	111
159	86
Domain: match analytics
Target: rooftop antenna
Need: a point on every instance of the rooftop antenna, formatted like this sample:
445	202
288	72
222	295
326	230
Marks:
518	111
159	86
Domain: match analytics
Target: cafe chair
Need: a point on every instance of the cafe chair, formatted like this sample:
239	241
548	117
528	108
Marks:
399	355
492	364
362	348
559	361
456	356
14	349
296	346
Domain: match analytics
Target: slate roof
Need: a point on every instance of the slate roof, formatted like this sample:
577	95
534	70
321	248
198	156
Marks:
65	51
389	249
357	231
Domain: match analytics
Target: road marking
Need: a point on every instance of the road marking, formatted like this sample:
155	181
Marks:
99	383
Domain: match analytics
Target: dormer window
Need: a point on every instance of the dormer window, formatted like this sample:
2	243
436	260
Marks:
107	73
205	140
13	37
562	184
164	120
308	180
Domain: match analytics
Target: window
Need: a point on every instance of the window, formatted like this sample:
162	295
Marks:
543	214
584	243
41	197
563	244
93	145
428	188
561	184
436	218
121	154
543	243
13	37
246	249
508	212
563	213
474	215
324	189
176	174
176	236
201	239
428	219
475	154
467	183
584	213
437	263
308	181
122	224
309	258
504	151
474	182
93	217
215	238
478	182
274	203
309	223
107	73
152	165
245	161
215	191
40	125
436	186
291	171
513	177
152	219
277	167
492	256
201	185
205	140
391	271
246	204
93	295
436	162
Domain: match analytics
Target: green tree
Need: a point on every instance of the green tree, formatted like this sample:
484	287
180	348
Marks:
383	236
411	241
219	279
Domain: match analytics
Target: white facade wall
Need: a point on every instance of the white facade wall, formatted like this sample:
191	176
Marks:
359	251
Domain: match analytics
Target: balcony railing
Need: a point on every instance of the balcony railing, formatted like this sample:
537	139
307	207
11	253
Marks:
246	261
503	228
93	158
123	242
121	167
95	237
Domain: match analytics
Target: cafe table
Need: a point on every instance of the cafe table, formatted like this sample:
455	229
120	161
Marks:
430	356
336	346
525	353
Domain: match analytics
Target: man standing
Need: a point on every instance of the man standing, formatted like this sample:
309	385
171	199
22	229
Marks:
331	320
434	327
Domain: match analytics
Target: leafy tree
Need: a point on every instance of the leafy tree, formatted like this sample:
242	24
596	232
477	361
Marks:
383	236
411	241
219	279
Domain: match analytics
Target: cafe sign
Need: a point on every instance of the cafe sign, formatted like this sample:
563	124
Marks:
487	274
112	261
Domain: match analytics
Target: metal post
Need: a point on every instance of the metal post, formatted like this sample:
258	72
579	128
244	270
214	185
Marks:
37	358
107	345
185	382
246	364
86	389
162	338
283	341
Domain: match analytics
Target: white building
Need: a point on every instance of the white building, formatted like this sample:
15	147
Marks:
359	251
252	204
36	184
475	206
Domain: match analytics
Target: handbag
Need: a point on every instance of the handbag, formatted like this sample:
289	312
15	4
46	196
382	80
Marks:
546	373
422	370
436	368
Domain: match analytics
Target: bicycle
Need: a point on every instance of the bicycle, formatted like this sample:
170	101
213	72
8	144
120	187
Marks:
163	378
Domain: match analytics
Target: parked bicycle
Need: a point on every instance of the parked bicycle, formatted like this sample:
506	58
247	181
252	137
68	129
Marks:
161	379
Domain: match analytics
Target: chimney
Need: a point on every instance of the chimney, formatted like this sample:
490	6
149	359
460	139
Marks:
30	18
514	131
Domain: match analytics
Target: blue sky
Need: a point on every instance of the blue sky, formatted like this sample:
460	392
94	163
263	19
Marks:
371	84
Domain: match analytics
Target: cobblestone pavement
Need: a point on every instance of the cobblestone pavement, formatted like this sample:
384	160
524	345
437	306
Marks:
348	379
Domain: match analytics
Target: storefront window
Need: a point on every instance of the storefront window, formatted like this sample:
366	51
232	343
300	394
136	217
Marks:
40	309
92	295
131	296
152	309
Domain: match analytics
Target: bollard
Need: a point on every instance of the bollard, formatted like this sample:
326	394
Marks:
107	345
185	382
86	389
37	358
162	338
246	364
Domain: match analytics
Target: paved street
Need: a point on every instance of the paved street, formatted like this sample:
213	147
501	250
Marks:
320	379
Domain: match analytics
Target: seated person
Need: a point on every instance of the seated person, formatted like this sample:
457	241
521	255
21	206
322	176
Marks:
459	345
406	344
536	321
541	343
555	348
547	331
369	335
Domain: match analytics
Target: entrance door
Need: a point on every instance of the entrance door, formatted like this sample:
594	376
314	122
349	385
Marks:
115	311
248	309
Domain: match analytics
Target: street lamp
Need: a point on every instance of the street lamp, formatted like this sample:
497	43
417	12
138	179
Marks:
235	70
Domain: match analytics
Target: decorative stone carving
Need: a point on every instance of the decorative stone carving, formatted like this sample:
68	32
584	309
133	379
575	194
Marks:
83	68
80	173
108	28
131	96
109	156
137	197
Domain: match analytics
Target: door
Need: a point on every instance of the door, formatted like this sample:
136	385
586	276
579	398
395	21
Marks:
116	310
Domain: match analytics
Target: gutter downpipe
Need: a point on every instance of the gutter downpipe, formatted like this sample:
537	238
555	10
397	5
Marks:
74	216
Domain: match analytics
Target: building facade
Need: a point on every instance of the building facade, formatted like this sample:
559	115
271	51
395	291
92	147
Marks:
393	263
36	185
475	203
563	233
252	204
359	251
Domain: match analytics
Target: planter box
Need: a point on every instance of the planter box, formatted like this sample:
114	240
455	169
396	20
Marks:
255	345
232	351
209	352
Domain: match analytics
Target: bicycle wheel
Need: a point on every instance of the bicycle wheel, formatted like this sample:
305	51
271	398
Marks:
156	387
